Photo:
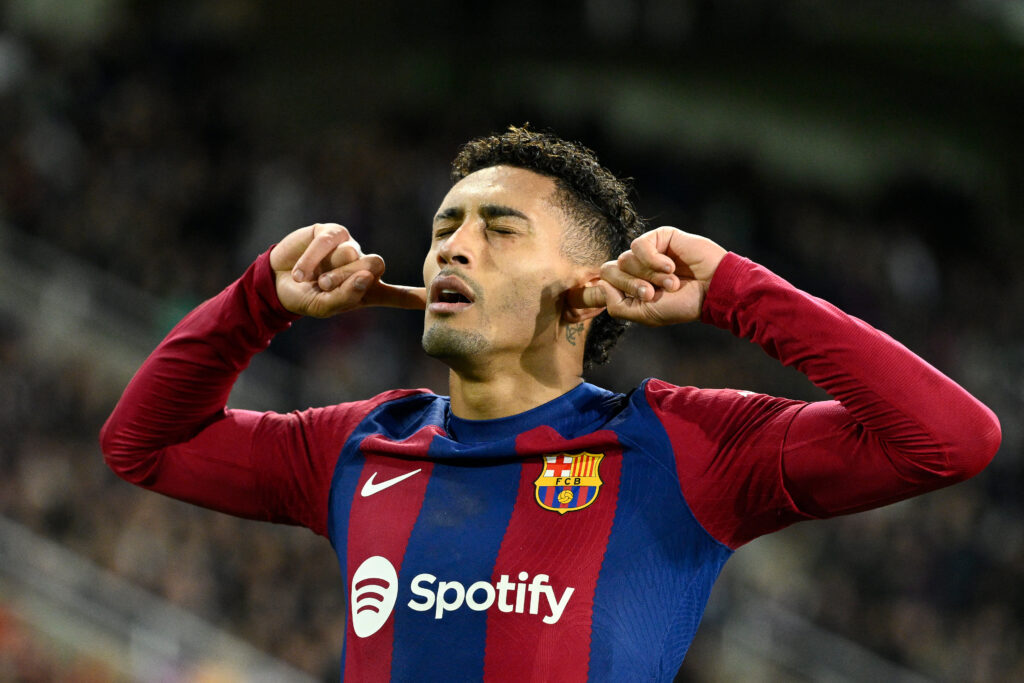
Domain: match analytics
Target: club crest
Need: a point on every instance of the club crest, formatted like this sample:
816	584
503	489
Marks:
568	482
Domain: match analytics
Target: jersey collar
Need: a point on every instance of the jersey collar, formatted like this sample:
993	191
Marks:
574	412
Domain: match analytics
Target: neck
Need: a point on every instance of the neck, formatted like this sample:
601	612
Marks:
485	396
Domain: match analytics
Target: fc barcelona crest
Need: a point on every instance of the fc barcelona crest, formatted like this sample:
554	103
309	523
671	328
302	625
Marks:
568	482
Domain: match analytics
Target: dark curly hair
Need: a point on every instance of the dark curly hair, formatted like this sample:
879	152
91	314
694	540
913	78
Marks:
589	194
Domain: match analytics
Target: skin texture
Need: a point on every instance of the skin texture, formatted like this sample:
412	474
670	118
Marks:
498	238
498	231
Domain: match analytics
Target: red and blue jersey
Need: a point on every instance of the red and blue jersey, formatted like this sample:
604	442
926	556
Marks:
555	543
575	541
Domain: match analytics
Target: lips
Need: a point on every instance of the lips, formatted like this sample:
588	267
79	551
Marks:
449	294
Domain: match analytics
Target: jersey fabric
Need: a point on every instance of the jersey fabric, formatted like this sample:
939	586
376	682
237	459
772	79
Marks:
575	541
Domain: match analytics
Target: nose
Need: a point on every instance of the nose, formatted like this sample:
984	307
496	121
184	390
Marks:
457	248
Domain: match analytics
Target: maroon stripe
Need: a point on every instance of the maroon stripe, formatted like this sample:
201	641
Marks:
569	548
380	524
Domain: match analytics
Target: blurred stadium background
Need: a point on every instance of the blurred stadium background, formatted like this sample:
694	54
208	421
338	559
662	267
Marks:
870	152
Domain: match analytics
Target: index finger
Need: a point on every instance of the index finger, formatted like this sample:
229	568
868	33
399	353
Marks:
397	296
590	296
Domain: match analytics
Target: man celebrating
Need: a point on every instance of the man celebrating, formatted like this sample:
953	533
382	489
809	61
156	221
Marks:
532	526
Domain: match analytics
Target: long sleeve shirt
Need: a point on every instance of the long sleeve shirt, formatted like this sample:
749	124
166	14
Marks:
579	539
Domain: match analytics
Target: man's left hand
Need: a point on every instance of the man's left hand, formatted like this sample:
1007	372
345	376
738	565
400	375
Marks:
661	280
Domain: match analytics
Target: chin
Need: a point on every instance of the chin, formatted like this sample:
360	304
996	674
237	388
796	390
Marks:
443	342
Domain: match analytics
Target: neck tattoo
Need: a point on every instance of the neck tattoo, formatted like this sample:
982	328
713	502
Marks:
573	331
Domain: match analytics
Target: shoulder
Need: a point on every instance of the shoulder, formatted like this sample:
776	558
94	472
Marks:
386	398
662	395
412	396
397	412
711	409
397	405
400	400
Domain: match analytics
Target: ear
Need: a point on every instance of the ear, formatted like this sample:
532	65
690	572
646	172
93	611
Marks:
583	302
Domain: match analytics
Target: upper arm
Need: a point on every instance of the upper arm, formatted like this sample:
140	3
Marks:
274	467
264	466
833	465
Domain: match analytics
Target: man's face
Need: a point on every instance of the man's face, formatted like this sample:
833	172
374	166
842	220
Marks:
495	273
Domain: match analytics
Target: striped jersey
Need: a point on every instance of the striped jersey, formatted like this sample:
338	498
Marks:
575	541
561	532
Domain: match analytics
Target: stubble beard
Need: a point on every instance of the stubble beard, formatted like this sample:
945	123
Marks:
446	344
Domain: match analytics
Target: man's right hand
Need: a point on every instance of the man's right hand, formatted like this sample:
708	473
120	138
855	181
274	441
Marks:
321	271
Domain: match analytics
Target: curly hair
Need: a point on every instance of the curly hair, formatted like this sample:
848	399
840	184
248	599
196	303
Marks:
591	196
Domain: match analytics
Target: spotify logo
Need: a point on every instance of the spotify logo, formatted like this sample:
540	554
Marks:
374	590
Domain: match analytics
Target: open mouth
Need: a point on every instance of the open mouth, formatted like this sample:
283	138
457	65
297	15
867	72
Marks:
449	294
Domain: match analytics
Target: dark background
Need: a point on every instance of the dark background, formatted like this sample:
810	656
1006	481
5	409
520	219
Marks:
869	152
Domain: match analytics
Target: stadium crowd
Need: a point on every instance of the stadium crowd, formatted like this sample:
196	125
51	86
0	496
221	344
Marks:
133	154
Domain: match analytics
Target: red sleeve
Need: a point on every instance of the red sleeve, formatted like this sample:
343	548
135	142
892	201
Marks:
751	464
172	433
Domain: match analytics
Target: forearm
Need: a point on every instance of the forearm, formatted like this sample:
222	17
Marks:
184	384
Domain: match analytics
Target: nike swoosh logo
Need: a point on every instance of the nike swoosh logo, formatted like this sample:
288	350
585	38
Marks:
371	487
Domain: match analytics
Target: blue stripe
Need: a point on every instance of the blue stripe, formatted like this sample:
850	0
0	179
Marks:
657	555
457	537
393	419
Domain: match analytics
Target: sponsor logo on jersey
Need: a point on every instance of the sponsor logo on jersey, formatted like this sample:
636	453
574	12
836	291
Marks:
375	591
568	482
372	487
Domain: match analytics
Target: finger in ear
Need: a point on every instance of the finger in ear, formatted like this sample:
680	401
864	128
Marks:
586	302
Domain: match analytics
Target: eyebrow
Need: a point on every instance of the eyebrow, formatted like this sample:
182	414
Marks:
488	211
